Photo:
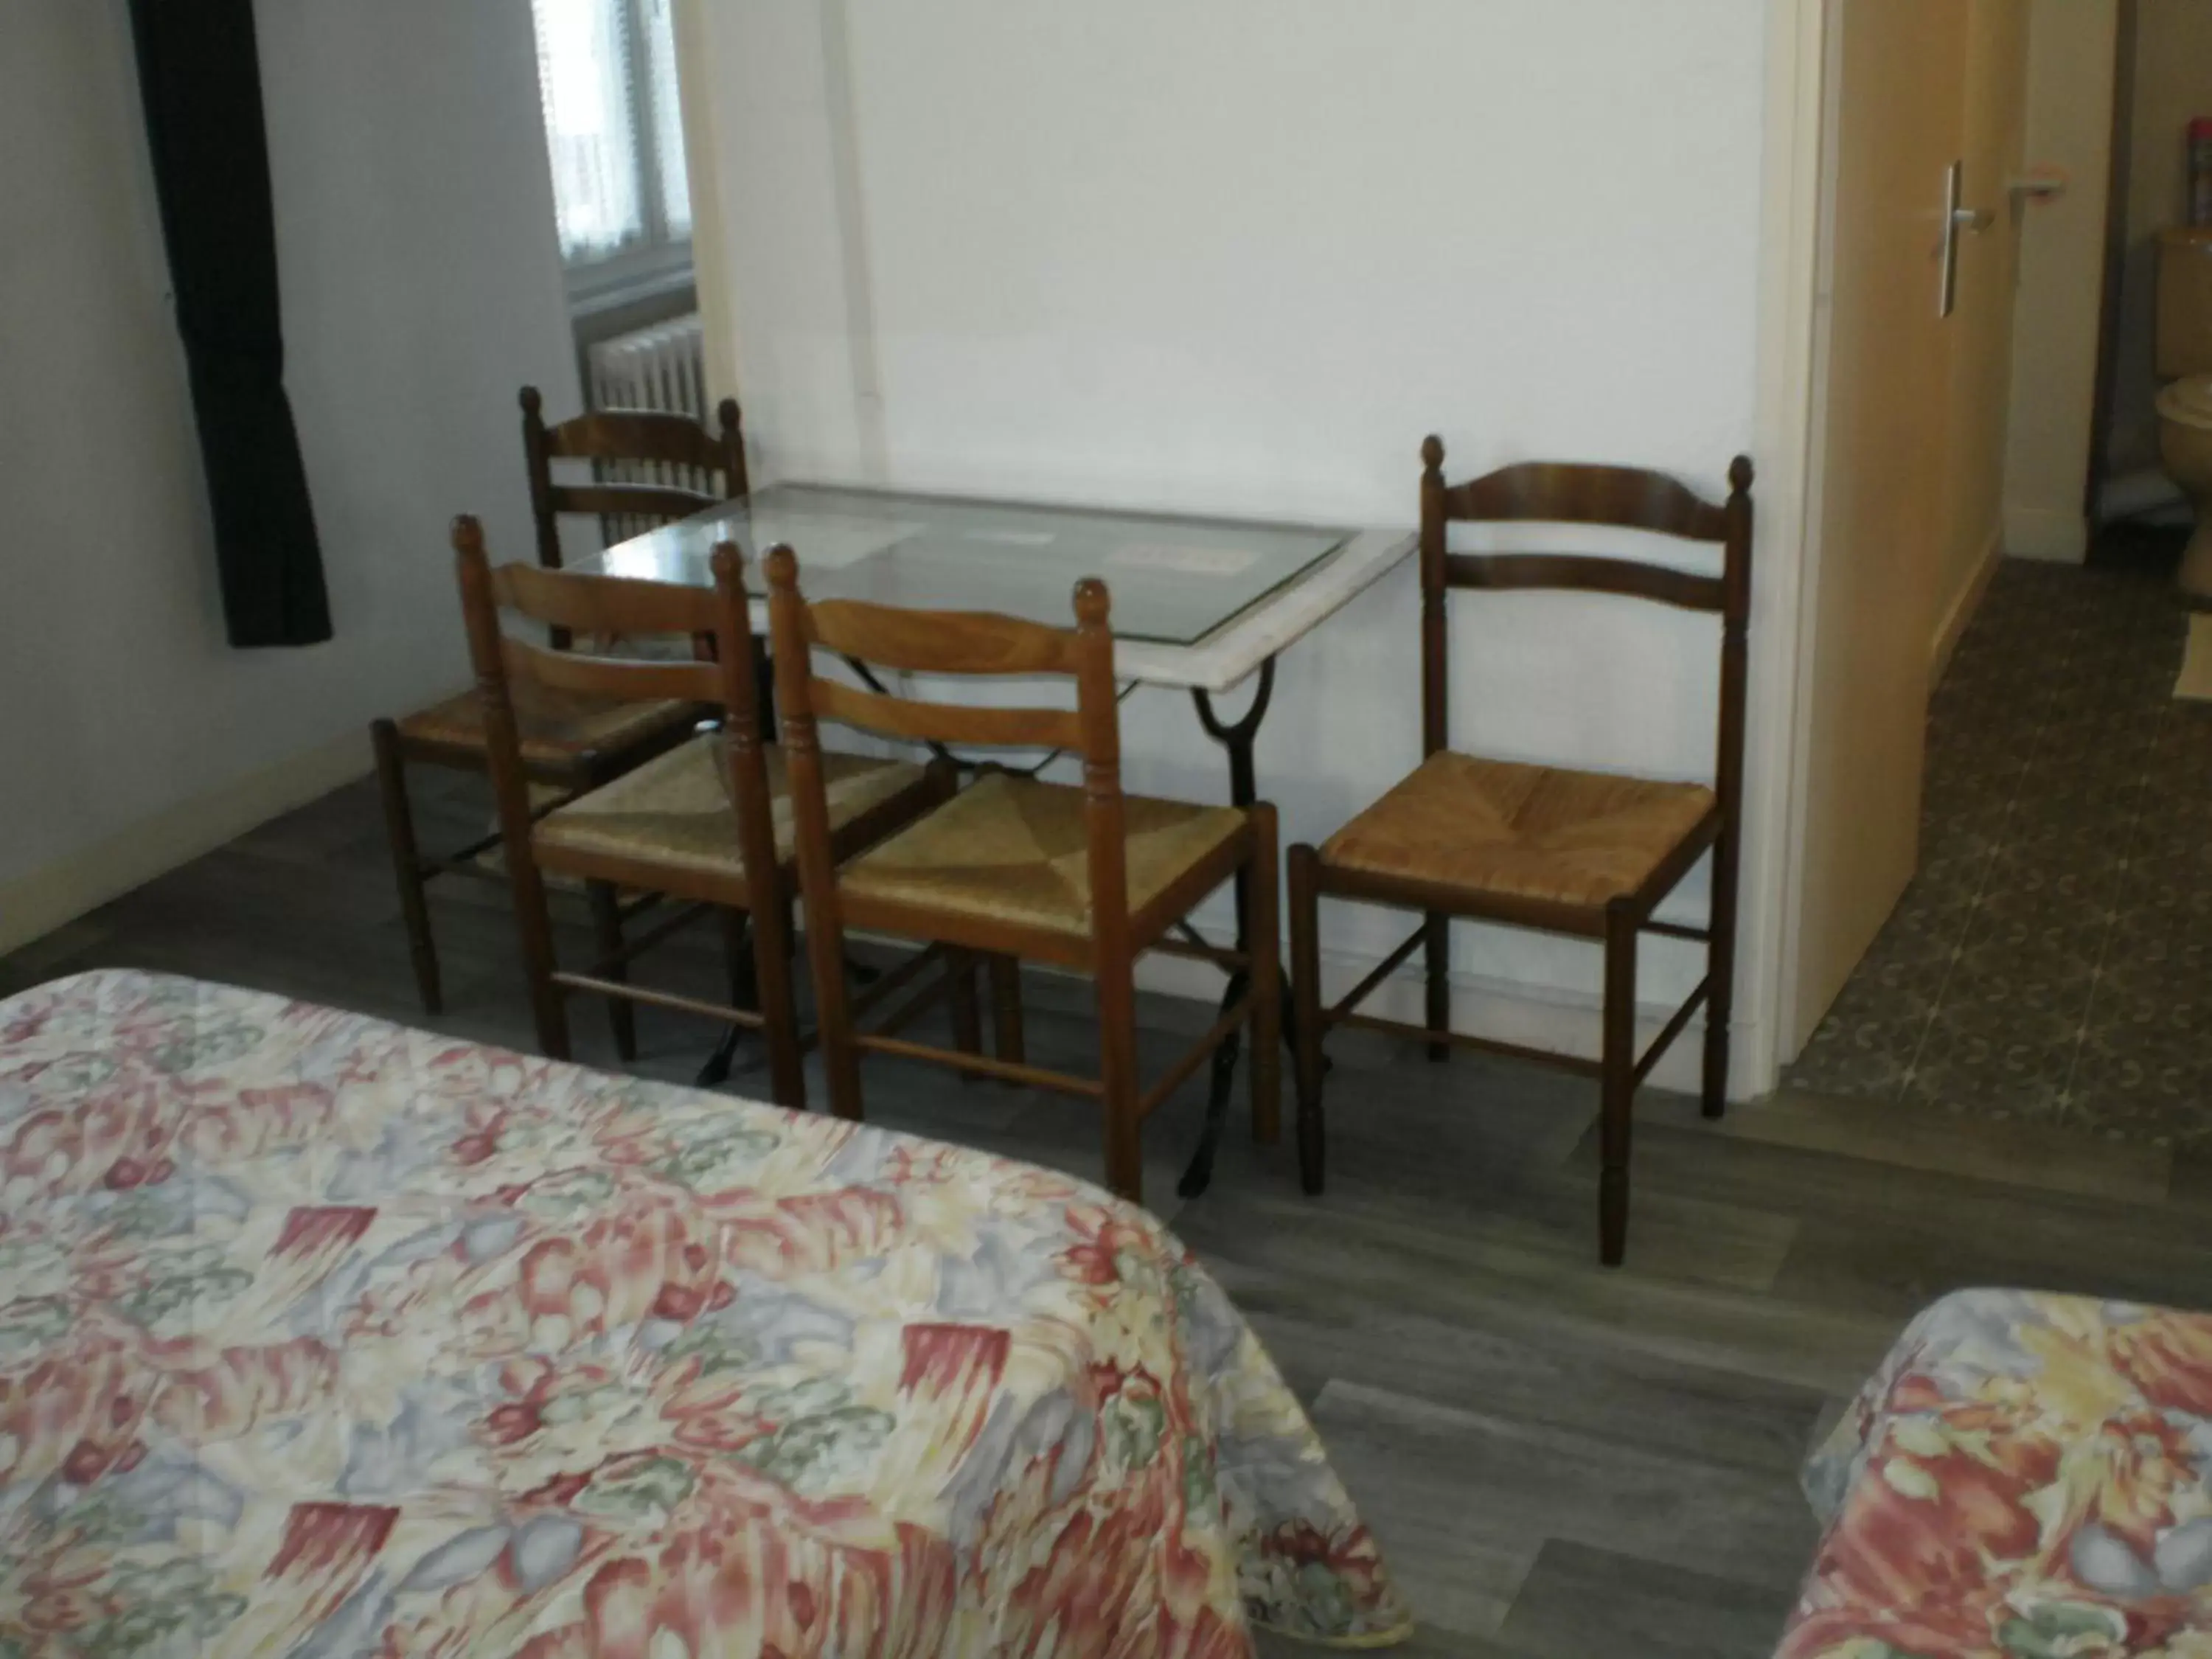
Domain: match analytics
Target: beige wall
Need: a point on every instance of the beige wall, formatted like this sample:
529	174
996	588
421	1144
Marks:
1987	266
2062	272
2174	84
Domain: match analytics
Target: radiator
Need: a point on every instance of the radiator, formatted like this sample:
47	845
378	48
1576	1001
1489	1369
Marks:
662	367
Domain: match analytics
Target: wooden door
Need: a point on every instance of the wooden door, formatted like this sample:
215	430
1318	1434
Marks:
1994	150
1900	74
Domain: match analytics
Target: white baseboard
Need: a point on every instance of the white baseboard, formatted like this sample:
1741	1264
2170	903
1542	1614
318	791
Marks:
32	906
2048	538
1964	605
1532	1016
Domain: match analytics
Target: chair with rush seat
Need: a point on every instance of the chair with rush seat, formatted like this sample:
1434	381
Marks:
707	824
647	468
1013	868
1581	853
570	742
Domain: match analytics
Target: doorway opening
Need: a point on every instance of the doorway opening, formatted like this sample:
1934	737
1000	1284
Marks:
2005	881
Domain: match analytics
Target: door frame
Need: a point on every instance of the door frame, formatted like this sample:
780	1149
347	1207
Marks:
1789	420
2119	188
1804	103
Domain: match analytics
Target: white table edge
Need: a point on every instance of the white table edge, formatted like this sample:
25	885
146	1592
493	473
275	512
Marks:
1234	652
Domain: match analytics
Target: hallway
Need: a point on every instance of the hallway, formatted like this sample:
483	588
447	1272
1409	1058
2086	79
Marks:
2052	961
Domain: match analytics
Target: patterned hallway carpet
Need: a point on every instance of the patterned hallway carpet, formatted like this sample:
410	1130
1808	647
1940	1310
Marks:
2052	962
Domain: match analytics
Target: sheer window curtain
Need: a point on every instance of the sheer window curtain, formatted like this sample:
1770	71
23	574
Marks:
614	125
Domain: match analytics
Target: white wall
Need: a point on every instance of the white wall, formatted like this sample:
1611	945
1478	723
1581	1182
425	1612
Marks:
1242	256
2062	279
421	285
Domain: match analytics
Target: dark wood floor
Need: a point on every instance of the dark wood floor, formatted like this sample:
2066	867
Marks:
1560	1462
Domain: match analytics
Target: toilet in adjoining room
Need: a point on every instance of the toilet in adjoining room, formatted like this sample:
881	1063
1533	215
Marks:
2185	407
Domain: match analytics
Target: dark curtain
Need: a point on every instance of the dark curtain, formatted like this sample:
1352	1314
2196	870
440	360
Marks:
200	75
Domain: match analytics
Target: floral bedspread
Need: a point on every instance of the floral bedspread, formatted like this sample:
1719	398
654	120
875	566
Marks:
2026	1477
320	1336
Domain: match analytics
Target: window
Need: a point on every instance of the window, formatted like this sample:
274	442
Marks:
614	131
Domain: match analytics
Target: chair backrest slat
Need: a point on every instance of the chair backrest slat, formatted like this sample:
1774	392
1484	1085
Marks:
940	641
1626	498
602	609
607	606
1625	578
621	678
662	502
638	434
937	722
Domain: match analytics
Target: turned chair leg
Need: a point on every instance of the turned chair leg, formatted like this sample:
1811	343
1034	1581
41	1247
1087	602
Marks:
1720	967
607	940
1121	1091
534	924
833	1011
406	864
1305	987
769	977
738	946
1009	1032
1617	1108
740	963
1264	942
1436	949
966	1010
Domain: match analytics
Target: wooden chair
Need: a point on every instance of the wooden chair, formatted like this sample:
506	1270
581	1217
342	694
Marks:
647	468
1589	853
1013	867
709	823
570	743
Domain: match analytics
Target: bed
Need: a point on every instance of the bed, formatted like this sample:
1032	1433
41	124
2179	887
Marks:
2026	1477
322	1336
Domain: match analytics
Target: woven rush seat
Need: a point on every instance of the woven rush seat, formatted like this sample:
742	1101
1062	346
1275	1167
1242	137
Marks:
1519	831
555	727
1012	849
676	812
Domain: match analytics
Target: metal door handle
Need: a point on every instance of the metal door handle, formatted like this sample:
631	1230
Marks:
1957	217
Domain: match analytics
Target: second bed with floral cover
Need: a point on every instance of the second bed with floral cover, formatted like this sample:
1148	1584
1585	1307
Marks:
322	1336
2026	1477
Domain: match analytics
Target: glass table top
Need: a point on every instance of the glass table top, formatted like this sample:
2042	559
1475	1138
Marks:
1174	580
